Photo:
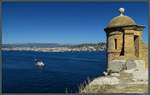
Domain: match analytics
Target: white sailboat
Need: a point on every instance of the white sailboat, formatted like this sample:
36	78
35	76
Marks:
39	63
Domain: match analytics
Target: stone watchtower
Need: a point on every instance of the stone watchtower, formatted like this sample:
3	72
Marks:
124	40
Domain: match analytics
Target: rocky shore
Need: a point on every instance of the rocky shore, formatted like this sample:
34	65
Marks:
133	80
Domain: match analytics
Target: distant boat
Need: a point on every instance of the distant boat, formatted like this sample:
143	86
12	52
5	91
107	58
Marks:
39	63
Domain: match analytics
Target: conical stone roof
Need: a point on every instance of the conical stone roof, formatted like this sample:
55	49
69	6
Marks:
121	20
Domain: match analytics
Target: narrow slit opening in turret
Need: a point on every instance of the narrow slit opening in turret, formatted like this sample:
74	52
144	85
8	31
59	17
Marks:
136	45
122	50
115	43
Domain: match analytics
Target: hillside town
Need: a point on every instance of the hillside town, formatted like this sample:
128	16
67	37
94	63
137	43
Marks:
80	47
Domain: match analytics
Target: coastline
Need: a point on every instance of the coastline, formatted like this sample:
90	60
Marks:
128	81
52	49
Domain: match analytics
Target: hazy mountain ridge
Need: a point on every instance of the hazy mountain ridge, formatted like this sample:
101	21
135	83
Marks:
31	45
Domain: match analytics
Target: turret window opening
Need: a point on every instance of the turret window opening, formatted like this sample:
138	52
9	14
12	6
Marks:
115	43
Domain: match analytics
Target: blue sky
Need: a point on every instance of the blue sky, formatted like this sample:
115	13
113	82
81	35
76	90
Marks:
65	22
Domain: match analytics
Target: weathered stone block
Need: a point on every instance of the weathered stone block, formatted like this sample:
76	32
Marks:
141	75
130	64
140	64
117	65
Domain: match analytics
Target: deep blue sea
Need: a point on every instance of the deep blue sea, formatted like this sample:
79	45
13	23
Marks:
62	70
